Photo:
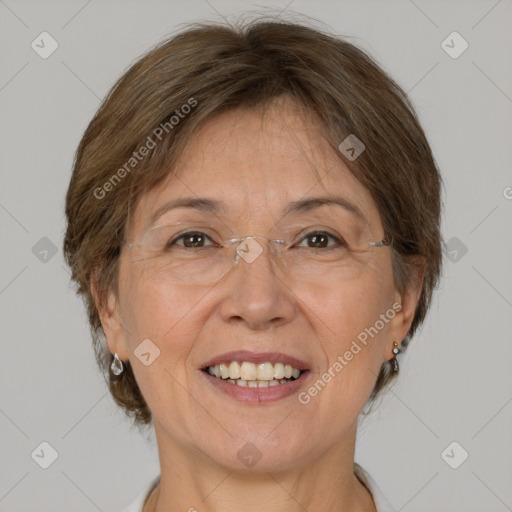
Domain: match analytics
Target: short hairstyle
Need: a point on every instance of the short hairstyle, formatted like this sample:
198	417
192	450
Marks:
209	69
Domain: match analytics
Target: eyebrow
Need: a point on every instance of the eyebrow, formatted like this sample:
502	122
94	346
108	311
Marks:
215	207
306	205
196	203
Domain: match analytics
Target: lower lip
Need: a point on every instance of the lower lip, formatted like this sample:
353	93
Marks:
257	395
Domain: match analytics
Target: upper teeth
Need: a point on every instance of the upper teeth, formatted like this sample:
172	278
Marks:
250	371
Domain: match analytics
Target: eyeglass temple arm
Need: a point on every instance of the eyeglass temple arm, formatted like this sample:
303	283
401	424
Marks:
385	241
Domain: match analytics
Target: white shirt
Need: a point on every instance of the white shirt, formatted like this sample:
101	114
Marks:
381	503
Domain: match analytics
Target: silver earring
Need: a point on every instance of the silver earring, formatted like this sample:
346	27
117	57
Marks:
117	365
394	361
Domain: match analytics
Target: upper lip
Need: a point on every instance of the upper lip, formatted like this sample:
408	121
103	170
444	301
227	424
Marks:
256	358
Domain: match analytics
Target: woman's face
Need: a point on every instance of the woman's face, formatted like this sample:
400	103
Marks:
255	167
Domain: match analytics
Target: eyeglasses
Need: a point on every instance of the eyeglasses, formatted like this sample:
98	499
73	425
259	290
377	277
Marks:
178	253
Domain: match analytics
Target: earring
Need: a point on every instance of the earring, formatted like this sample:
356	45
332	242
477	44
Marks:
394	361
117	365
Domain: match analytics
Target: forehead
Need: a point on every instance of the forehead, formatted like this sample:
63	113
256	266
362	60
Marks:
257	162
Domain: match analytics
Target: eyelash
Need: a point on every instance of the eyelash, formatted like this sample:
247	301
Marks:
338	241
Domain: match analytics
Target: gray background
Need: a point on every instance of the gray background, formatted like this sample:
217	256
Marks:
455	383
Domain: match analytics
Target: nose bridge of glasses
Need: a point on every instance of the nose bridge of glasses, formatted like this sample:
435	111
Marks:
251	247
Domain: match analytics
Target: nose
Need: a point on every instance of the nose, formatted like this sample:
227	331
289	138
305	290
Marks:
258	295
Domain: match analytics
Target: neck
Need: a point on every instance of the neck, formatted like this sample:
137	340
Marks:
192	481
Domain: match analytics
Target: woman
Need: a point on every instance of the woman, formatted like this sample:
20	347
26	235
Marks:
253	221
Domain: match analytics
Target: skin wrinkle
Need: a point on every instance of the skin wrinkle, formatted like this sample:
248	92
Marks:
198	430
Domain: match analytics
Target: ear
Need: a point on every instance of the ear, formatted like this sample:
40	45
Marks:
401	323
108	311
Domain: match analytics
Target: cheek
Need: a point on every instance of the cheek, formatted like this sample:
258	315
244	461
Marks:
172	318
152	310
353	351
351	315
351	306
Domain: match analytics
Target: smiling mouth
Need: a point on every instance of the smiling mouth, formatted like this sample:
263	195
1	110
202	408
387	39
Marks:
247	374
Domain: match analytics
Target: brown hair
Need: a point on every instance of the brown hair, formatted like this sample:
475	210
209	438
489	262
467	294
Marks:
215	68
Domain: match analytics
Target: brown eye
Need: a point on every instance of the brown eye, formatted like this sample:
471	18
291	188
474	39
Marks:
320	240
193	239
